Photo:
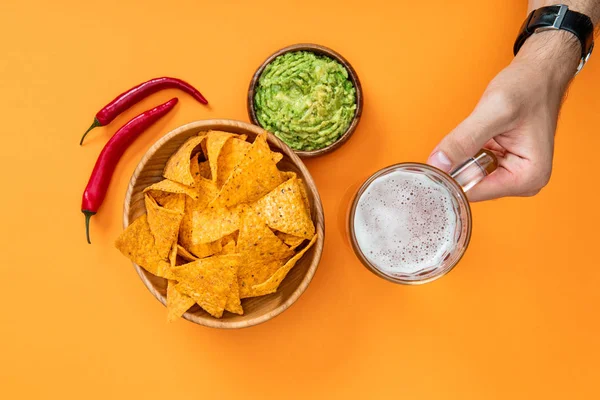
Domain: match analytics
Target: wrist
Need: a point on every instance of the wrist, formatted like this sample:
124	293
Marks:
554	55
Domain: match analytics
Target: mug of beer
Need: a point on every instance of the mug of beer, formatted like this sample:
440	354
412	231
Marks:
410	223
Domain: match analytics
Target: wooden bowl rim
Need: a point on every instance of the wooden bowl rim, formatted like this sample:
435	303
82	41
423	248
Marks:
322	50
318	218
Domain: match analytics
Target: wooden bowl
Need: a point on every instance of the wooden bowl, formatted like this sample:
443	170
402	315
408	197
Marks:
256	309
320	50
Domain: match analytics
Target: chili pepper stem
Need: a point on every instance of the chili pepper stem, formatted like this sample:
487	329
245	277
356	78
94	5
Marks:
88	214
95	124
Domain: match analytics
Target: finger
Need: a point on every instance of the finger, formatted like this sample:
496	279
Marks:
500	183
493	145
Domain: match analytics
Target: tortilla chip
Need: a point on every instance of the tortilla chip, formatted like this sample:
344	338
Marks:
286	175
215	140
231	154
168	186
178	167
255	176
292	175
263	253
257	241
171	201
233	304
177	302
229	248
164	225
271	284
207	191
173	255
290	240
213	223
208	281
304	195
195	168
186	255
204	168
255	272
231	237
137	243
276	156
284	209
204	250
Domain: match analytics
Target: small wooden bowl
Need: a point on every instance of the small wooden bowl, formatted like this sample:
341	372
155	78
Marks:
257	309
320	50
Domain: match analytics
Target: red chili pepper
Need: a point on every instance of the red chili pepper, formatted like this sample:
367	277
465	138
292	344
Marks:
126	99
94	193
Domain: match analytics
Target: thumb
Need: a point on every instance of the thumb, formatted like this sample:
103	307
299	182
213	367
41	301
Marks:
467	138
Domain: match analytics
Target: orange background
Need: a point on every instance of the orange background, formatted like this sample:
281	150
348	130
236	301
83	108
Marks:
518	318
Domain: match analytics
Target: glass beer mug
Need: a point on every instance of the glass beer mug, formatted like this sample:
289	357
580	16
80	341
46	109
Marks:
410	223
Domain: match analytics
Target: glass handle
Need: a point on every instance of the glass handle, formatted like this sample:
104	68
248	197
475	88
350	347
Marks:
475	169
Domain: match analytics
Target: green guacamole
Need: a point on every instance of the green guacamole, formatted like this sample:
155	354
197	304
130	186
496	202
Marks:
305	99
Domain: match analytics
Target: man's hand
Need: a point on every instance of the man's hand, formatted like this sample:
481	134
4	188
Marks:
516	118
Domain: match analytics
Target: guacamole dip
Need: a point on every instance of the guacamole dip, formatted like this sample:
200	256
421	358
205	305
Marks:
305	99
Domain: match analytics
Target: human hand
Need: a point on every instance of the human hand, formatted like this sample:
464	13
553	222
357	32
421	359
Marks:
516	119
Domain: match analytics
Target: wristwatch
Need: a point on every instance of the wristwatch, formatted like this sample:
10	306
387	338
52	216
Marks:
555	18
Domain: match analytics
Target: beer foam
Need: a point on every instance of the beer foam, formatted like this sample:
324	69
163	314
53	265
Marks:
405	222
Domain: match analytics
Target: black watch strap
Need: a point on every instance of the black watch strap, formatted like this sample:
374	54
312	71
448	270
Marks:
559	17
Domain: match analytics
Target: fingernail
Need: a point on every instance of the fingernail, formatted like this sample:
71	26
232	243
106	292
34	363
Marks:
440	160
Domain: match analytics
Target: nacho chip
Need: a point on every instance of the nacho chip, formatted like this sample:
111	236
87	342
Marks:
263	253
290	240
178	167
207	191
276	156
173	255
229	248
233	304
257	241
164	225
255	176
232	153
204	168
208	281
231	237
255	272
271	284
284	209
177	302
215	140
168	186
186	255
137	243
195	168
204	250
292	175
213	223
286	175
171	201
304	195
